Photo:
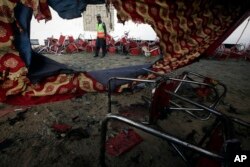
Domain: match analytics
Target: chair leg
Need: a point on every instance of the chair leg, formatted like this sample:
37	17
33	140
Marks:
151	131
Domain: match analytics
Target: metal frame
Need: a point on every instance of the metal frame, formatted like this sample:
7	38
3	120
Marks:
123	79
165	136
173	141
186	75
211	110
185	79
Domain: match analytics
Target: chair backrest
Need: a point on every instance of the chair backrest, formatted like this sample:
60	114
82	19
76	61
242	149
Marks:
52	41
34	41
71	39
61	40
46	42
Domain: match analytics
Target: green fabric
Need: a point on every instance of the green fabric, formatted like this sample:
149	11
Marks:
100	27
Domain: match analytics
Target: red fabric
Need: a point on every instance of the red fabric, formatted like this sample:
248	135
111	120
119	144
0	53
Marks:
44	91
11	62
160	100
122	142
29	100
61	128
6	30
205	91
44	12
215	144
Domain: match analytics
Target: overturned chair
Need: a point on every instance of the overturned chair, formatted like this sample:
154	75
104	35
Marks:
168	95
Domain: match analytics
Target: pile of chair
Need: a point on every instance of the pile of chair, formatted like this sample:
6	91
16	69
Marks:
232	51
134	47
65	44
124	45
189	93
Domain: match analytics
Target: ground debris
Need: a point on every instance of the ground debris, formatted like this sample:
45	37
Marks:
5	143
20	116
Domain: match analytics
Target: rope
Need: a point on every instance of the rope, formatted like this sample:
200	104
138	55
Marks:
243	31
109	9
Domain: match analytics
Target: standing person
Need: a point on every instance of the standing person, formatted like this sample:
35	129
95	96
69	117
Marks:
101	36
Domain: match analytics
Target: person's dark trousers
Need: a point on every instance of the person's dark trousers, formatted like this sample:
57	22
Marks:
100	43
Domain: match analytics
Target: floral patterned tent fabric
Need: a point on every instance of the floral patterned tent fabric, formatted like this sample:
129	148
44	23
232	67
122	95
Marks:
15	86
187	29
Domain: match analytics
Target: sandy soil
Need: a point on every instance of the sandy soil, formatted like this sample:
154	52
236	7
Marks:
30	140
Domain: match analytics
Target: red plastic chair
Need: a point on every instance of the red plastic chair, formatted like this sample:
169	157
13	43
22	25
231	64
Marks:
72	46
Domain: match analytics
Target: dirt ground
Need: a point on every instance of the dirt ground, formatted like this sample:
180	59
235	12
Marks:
27	138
